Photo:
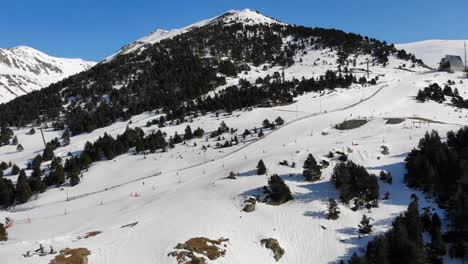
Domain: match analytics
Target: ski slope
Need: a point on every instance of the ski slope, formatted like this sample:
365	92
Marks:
184	193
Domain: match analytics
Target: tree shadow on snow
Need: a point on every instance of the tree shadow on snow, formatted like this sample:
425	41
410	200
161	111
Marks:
248	173
318	191
316	214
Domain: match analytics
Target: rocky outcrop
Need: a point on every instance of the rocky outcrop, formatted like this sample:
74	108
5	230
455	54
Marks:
249	205
274	246
196	250
72	256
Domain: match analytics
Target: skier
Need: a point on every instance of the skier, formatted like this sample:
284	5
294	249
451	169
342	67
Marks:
40	249
52	251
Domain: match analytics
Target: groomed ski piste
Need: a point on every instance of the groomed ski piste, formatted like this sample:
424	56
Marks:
183	193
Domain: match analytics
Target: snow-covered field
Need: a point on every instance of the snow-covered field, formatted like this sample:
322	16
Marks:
184	193
432	51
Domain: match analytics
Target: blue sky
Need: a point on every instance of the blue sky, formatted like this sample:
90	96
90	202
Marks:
93	29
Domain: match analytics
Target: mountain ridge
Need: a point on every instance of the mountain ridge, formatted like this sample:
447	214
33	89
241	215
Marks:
246	16
24	69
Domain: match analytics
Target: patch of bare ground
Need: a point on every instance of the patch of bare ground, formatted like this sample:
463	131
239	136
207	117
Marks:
90	234
394	121
351	124
196	250
72	256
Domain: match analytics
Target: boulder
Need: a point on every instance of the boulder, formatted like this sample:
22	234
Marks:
249	205
274	246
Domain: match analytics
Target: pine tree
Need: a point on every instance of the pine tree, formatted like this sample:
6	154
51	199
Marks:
35	182
188	133
58	175
279	191
365	227
19	148
333	210
279	121
198	132
48	153
436	248
66	138
177	138
312	171
74	179
15	169
22	191
6	192
261	168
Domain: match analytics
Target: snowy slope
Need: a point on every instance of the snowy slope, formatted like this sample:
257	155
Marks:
24	69
184	192
431	51
246	16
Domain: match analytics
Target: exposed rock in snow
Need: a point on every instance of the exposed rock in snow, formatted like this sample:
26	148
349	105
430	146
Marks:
274	246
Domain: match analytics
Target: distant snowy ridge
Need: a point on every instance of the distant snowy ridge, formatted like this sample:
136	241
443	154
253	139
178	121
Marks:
431	51
24	69
246	16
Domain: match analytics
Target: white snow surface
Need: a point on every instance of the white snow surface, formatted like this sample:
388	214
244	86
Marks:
246	16
192	198
433	50
24	69
184	192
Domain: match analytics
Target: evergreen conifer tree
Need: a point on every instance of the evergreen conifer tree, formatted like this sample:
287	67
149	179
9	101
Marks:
312	171
261	168
188	133
15	169
279	191
333	210
22	191
365	227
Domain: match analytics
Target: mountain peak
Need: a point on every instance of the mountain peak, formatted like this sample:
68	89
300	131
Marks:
245	16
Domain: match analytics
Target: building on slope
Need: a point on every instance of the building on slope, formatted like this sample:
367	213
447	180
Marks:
451	63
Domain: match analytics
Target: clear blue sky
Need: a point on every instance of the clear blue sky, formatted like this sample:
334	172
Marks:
93	29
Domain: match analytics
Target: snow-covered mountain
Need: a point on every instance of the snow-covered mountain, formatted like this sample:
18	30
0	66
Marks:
431	51
246	16
140	207
24	69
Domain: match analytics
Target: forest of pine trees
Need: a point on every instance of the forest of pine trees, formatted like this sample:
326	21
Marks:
440	169
403	243
77	103
435	93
